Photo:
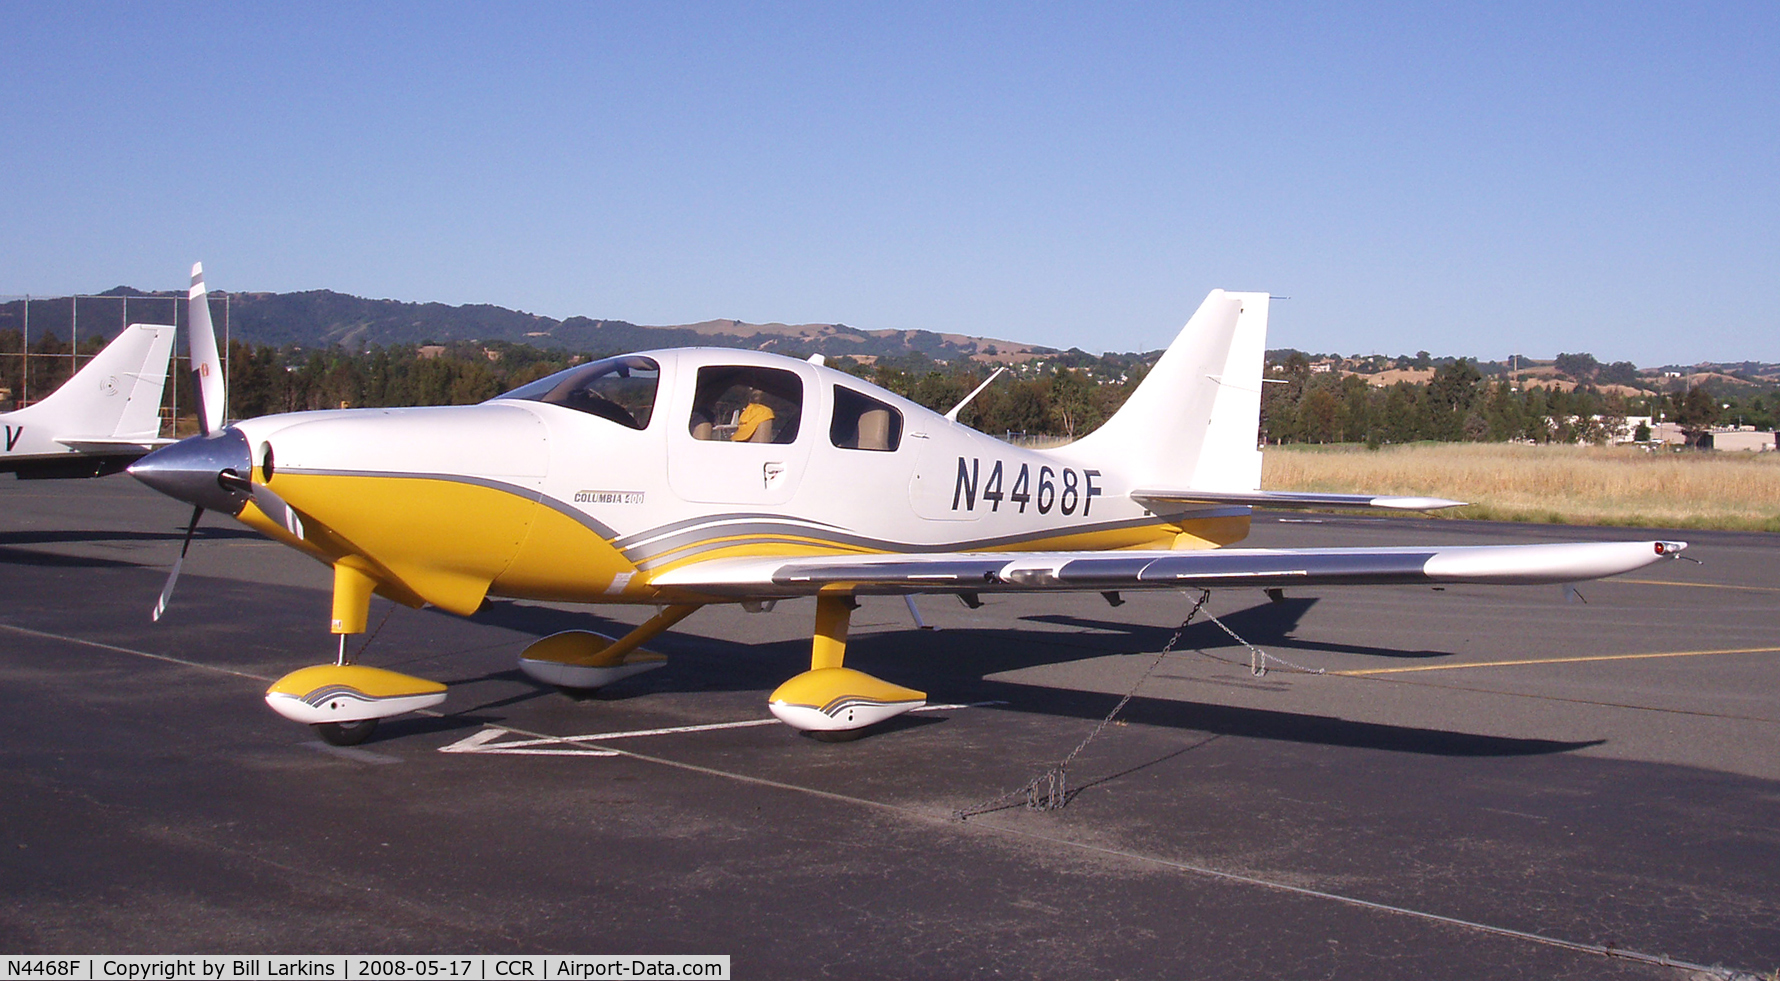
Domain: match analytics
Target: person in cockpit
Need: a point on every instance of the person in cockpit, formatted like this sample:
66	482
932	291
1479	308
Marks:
755	425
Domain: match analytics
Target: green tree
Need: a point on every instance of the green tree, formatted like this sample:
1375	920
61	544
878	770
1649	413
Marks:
1450	396
1072	403
1357	408
1319	416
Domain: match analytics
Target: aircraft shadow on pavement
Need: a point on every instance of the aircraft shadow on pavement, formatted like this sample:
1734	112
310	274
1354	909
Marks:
13	550
1298	727
956	665
204	533
32	557
1263	624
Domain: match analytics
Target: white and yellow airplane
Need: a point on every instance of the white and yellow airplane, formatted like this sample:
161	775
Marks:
678	478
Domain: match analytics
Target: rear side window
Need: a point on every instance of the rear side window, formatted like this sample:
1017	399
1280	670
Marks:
620	389
743	404
864	423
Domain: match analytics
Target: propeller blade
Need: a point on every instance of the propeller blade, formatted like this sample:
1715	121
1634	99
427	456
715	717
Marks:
173	577
207	377
274	507
269	503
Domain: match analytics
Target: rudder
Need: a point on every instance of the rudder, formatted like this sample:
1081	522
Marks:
1194	420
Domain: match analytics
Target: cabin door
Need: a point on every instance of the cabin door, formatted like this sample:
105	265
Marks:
743	437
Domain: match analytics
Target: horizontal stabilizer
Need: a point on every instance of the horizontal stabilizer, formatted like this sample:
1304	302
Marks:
110	444
1294	499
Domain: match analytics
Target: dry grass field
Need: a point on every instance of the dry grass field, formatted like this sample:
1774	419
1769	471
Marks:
1551	484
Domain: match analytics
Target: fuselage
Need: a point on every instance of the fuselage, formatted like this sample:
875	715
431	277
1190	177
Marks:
564	494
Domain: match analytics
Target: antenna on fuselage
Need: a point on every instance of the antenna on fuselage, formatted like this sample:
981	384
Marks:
952	416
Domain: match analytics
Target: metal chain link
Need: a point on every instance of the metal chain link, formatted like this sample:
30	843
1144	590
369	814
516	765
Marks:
373	635
1257	658
1049	790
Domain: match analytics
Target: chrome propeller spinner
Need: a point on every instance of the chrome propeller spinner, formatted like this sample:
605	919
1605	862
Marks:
211	473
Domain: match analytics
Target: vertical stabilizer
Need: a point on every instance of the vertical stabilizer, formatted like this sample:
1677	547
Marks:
1194	420
1231	457
115	395
207	378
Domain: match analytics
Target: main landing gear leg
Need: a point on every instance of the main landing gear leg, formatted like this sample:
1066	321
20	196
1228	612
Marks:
343	701
582	659
831	699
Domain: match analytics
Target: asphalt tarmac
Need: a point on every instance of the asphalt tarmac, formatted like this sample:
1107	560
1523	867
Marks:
1486	783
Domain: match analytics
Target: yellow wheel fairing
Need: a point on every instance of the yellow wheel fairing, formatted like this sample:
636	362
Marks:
370	682
586	660
586	649
349	693
835	699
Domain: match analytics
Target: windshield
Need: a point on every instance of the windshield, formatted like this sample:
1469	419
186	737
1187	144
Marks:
621	389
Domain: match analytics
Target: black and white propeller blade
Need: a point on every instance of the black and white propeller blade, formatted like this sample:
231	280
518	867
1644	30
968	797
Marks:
207	375
173	577
207	384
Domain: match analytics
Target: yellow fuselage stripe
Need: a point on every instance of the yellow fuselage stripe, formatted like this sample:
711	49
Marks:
1700	585
1552	660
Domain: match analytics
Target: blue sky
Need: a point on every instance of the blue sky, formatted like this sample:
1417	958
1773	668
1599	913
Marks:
1466	179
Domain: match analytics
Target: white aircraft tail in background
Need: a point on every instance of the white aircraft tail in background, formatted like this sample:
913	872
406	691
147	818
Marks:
109	414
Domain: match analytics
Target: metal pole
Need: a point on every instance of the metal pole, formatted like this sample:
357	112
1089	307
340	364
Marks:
25	357
175	379
73	335
225	358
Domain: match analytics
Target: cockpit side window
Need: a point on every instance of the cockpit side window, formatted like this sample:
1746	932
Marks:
864	423
621	389
741	404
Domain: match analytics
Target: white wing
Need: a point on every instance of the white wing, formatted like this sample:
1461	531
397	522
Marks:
1292	499
963	572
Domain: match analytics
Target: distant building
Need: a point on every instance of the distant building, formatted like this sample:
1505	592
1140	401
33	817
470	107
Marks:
1629	432
1321	368
1746	440
1667	434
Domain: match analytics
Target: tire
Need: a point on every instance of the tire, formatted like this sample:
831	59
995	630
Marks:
345	733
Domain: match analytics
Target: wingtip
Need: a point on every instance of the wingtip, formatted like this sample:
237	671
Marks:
1416	503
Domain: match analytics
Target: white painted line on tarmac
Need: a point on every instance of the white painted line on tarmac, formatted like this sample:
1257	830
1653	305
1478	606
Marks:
28	632
484	741
471	743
